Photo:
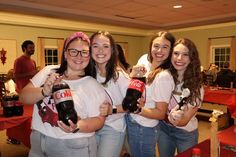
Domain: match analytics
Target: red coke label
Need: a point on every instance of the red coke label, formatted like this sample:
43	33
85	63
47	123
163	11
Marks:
62	95
137	85
18	103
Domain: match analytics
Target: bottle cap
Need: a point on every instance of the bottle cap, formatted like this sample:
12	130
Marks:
196	151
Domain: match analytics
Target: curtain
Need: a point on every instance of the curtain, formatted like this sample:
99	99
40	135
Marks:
60	43
209	53
233	53
41	54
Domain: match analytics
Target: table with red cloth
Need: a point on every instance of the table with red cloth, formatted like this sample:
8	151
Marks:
18	127
223	96
227	140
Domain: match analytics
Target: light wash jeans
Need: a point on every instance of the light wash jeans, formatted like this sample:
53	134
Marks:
142	140
44	146
170	138
109	142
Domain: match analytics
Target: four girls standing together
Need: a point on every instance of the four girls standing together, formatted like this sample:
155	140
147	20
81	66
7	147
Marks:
98	86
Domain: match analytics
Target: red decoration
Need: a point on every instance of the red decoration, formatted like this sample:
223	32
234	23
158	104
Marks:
3	55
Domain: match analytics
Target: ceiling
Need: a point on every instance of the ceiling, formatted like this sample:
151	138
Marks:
142	14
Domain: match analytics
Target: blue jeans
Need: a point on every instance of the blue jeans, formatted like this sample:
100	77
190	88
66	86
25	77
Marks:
142	140
109	142
170	138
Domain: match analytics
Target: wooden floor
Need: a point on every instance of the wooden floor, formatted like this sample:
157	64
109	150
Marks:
10	150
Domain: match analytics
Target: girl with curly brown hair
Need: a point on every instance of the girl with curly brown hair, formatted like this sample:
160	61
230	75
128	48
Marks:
180	127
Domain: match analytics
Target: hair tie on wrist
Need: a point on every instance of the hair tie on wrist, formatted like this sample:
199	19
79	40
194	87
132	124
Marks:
42	92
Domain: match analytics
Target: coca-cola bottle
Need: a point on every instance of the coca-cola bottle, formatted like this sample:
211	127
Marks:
8	106
64	102
18	106
135	89
196	152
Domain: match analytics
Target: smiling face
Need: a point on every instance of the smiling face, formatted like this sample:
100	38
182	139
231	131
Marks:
101	49
78	63
180	58
160	50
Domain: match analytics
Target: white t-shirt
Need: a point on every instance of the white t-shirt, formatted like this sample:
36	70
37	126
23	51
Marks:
117	92
143	60
175	98
87	95
158	91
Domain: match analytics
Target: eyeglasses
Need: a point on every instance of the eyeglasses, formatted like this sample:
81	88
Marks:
74	53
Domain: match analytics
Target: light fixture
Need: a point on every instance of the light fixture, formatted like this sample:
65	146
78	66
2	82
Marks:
177	6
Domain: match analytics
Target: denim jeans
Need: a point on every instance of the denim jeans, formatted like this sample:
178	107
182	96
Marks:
45	146
109	141
171	138
142	140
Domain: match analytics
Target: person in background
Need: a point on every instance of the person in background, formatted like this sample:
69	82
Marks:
115	81
180	127
24	66
225	77
142	126
122	60
211	74
51	137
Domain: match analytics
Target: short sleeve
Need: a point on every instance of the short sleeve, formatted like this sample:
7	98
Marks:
163	85
123	82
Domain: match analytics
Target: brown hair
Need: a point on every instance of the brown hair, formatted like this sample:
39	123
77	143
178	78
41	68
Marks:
192	76
166	64
112	63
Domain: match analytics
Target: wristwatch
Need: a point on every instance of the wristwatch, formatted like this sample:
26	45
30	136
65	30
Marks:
114	110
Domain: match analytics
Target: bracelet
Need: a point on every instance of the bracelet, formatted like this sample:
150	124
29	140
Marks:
114	110
76	130
42	92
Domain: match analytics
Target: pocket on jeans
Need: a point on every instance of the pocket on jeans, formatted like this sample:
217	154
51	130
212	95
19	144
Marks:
77	143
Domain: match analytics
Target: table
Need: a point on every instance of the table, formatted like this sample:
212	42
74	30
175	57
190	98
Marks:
18	127
226	139
204	146
223	96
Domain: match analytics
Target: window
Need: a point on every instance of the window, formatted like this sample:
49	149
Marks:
51	56
220	54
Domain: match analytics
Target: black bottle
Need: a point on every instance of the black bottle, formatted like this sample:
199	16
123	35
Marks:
64	103
135	90
18	106
8	106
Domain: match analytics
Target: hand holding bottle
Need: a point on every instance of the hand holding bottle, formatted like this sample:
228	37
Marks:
71	128
138	71
47	87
